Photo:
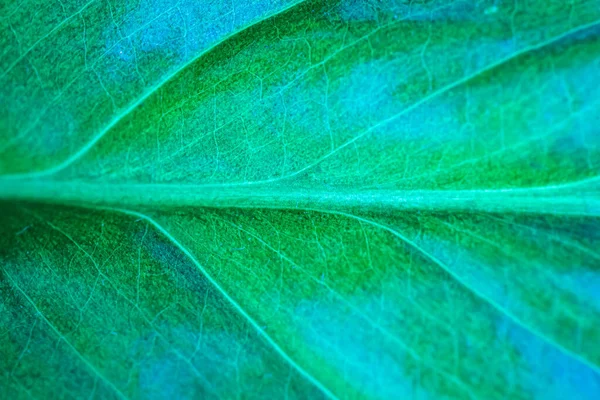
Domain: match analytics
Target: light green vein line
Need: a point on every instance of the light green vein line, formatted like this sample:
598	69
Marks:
583	201
439	93
380	124
476	292
238	308
61	336
390	335
41	39
115	287
12	12
558	239
89	145
23	388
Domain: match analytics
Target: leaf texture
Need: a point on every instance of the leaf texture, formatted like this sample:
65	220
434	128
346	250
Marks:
318	199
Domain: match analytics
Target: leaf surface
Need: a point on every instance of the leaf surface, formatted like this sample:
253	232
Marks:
332	199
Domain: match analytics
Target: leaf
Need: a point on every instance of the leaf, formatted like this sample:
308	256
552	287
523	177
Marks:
343	199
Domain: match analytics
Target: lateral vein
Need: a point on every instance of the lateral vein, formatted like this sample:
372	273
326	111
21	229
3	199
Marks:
237	307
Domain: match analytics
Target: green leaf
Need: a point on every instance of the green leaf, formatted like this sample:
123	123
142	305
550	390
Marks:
338	199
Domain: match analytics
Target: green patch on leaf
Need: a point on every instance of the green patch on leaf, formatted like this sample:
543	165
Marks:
312	199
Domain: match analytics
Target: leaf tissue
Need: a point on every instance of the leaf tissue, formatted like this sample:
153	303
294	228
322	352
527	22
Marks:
296	199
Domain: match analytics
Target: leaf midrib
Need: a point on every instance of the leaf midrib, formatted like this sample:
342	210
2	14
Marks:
574	198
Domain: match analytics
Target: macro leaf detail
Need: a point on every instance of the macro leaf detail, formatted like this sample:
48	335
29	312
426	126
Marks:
300	199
